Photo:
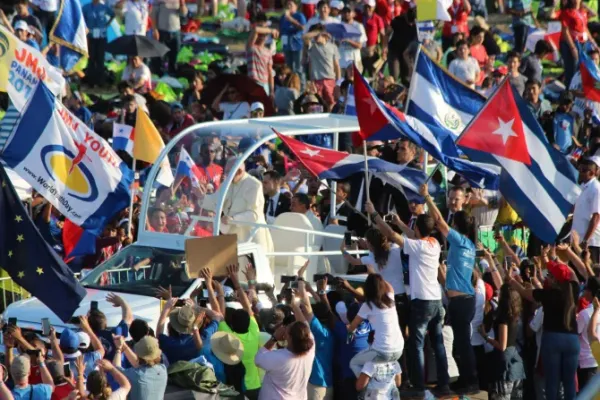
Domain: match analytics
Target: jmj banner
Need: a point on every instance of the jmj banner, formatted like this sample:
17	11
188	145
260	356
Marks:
22	67
71	166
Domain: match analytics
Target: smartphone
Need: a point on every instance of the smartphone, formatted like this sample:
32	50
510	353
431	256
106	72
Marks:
319	277
12	321
67	369
479	253
288	278
74	320
202	303
33	352
388	218
205	294
93	305
45	326
180	303
348	238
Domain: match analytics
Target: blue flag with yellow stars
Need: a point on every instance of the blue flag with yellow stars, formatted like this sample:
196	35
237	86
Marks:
30	262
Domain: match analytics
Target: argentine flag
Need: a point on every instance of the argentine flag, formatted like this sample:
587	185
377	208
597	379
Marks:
439	99
69	31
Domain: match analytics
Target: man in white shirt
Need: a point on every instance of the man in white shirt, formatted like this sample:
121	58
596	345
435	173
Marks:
350	48
465	67
426	309
322	16
587	362
586	215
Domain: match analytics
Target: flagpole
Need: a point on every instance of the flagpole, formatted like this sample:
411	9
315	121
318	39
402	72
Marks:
367	183
410	87
131	200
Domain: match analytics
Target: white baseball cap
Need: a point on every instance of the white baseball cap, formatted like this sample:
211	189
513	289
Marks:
370	3
257	105
337	4
22	25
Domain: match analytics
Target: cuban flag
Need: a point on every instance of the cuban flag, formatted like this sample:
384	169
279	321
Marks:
75	169
330	164
69	31
439	99
378	121
186	167
551	35
123	138
590	76
537	180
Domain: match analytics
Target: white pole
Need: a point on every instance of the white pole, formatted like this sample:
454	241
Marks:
333	191
367	183
131	201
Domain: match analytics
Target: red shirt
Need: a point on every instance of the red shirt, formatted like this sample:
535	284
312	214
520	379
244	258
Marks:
211	174
383	9
61	391
479	53
458	22
576	22
373	27
35	377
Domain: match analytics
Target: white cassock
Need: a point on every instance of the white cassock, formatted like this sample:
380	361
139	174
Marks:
243	202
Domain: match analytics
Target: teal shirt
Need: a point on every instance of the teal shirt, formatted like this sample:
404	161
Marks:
521	5
461	260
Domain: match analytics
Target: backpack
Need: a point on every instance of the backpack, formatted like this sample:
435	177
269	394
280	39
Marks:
193	376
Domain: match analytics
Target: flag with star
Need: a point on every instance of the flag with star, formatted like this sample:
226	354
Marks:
590	77
379	121
330	164
30	262
537	180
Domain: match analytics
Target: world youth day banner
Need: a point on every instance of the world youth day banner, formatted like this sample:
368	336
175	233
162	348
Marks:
21	69
67	163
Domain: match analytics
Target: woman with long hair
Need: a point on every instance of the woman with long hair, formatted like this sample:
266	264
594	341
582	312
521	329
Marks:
459	290
507	369
379	308
287	94
560	341
97	383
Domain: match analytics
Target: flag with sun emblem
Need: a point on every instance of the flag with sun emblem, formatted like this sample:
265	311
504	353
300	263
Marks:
537	180
28	259
75	169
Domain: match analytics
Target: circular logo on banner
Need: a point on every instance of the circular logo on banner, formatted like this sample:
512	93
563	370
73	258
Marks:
4	44
69	169
452	120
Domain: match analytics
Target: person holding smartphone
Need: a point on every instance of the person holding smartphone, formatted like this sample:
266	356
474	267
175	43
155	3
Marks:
20	369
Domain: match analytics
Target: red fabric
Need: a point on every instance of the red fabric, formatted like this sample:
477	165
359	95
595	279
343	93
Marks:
211	174
35	377
576	22
325	90
583	304
309	10
279	59
373	27
383	9
559	271
479	53
191	27
61	392
188	120
458	17
201	232
489	292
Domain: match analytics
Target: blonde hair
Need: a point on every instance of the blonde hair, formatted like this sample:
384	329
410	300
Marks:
293	81
97	386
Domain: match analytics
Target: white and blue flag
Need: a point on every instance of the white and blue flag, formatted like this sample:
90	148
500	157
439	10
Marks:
66	162
69	31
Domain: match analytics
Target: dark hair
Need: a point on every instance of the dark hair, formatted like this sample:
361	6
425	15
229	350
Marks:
128	98
322	312
155	210
568	302
533	81
411	145
124	85
476	30
299	338
273	175
322	3
345	186
543	47
303	199
510	304
138	329
97	320
380	244
240	321
425	223
345	85
513	54
461	42
465	225
593	51
261	17
376	292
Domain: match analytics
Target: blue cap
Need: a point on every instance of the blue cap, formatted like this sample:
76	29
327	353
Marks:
245	143
176	106
69	339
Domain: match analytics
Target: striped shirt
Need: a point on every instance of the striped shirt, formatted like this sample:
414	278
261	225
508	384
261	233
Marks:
260	63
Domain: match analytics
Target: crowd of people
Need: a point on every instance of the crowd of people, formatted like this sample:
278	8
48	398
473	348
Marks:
459	298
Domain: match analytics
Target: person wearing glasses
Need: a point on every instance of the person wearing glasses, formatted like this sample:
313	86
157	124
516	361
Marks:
233	106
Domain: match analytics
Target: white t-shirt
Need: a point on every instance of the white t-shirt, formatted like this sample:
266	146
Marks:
587	204
235	110
423	264
476	338
46	5
384	321
349	54
140	74
119	394
465	70
286	375
317	20
586	358
382	385
135	14
392	271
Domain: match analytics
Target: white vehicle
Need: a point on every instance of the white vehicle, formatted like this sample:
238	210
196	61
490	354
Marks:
158	259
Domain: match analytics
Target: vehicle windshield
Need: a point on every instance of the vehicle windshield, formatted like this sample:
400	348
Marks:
141	270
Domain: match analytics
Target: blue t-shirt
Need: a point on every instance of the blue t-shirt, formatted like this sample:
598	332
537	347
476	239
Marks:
322	371
344	350
180	348
564	125
84	114
291	36
40	392
96	19
33	43
461	260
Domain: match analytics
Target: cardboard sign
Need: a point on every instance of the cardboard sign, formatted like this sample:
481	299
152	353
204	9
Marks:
215	252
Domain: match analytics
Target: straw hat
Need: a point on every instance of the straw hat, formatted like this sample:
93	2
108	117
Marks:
480	22
227	347
182	319
147	348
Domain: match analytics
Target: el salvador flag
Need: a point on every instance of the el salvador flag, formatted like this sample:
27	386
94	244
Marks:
330	164
537	180
378	121
437	98
69	31
123	138
186	167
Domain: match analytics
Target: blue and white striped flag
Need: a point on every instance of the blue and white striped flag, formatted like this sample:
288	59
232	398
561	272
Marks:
69	31
350	103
